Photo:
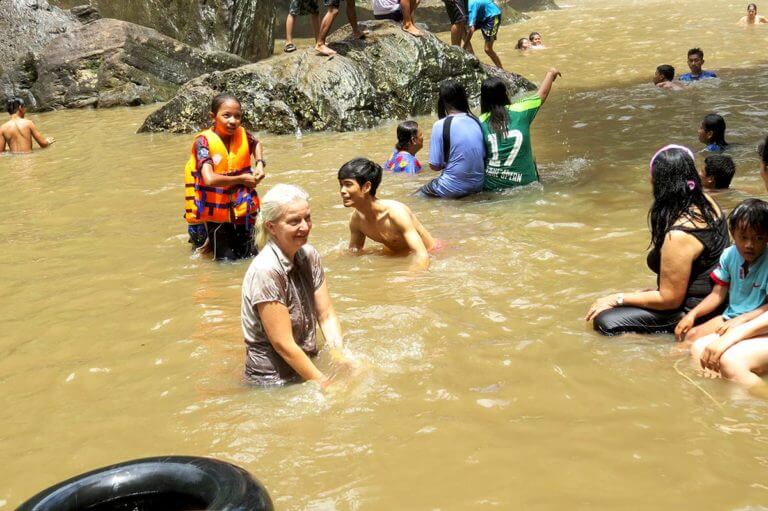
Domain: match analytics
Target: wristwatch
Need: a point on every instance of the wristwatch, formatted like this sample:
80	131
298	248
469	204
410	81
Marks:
620	299
262	162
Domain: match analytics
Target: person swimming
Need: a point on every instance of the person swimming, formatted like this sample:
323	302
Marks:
535	39
664	76
712	133
695	63
523	44
16	134
752	18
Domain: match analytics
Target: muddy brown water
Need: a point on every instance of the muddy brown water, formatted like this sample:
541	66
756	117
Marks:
485	388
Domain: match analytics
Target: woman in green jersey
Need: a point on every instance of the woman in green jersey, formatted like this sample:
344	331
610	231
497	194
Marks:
507	133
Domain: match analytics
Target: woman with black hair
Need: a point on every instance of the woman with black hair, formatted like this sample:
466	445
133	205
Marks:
712	133
507	133
762	151
688	234
456	146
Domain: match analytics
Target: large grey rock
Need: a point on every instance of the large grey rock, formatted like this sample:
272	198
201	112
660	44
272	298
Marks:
27	26
431	13
389	75
110	62
243	27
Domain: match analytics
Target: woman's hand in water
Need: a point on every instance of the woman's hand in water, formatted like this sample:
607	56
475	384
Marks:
601	304
50	140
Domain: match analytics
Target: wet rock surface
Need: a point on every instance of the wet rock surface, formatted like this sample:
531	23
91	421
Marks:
243	27
109	62
390	74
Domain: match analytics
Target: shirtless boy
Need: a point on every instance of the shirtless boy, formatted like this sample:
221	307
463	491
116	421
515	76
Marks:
664	76
16	135
389	222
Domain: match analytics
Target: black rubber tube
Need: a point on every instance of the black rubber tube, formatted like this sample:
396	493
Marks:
166	483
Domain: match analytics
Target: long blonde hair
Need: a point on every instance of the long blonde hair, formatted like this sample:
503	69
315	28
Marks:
273	205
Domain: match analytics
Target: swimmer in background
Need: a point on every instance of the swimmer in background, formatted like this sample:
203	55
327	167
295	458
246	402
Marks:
752	18
762	151
718	172
535	39
712	133
16	134
389	222
523	44
695	63
664	76
410	140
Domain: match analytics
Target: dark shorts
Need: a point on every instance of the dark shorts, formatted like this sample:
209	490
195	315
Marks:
332	3
490	27
231	241
394	16
197	235
457	11
303	7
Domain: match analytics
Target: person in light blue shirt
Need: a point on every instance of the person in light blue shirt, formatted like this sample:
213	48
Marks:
459	151
485	15
741	277
695	63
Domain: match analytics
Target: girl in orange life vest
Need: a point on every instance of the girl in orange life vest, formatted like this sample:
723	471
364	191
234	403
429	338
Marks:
220	198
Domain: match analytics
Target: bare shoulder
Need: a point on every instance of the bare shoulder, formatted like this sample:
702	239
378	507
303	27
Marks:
395	207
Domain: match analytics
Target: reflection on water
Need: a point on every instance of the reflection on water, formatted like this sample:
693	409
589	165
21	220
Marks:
485	387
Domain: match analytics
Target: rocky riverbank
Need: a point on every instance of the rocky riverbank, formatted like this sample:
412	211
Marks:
388	75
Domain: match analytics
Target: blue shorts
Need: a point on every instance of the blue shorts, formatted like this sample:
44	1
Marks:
490	27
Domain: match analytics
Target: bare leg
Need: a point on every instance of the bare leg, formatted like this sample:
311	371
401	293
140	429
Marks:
745	362
710	327
456	32
325	27
352	17
314	20
465	38
289	29
489	51
408	6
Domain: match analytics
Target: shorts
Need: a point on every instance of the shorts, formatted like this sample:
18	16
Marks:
332	3
394	16
457	11
197	235
231	241
490	27
303	7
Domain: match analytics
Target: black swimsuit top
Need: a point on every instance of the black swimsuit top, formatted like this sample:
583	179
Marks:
714	239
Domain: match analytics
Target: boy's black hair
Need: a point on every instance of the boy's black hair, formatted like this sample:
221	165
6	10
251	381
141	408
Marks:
762	150
220	99
750	214
666	71
696	51
13	105
406	131
363	171
721	168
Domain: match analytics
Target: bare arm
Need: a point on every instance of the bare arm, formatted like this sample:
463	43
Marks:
41	141
764	175
213	179
4	143
258	156
546	84
401	217
711	302
277	325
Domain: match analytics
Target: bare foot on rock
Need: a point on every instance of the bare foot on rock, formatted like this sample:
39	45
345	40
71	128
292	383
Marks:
322	49
411	29
360	34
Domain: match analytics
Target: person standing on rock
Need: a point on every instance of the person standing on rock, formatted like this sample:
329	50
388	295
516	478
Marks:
485	15
332	10
296	9
16	135
220	199
398	10
457	13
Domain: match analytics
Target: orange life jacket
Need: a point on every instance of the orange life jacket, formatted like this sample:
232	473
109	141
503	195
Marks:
205	203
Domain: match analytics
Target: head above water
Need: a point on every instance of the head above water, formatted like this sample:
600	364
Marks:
762	151
363	171
535	38
677	192
452	96
408	138
664	73
226	114
13	105
494	100
712	130
719	170
751	10
695	60
273	205
523	43
748	223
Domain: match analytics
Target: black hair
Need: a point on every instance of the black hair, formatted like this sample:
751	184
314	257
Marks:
752	5
519	45
749	214
494	100
666	71
762	150
530	37
220	99
406	131
716	124
13	105
452	95
721	168
363	171
696	51
677	194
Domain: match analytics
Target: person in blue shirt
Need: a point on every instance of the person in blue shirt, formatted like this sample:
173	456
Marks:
410	140
712	133
695	63
741	278
485	15
458	151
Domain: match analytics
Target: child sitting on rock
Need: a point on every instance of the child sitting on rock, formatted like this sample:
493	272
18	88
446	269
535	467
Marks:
410	140
485	15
